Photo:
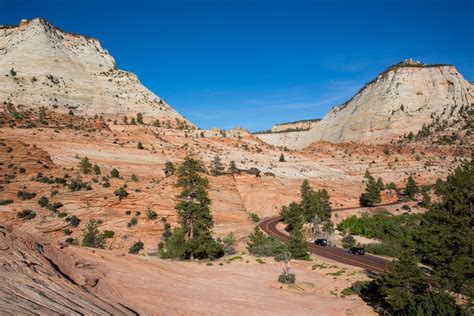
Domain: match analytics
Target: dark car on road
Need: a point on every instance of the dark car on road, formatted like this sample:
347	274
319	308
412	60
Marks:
321	242
359	251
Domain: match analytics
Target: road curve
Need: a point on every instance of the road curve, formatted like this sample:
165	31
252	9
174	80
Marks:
367	262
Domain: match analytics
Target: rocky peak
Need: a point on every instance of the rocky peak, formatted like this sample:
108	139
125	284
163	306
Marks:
68	71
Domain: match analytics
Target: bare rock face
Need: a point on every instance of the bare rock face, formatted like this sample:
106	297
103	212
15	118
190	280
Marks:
400	100
37	279
41	65
295	126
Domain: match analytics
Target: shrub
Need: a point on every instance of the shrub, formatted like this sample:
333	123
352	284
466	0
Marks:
255	218
134	178
71	241
151	215
85	165
108	234
133	222
96	169
121	193
114	173
92	237
348	241
261	245
140	145
229	242
73	220
282	158
287	278
26	214
136	247
43	201
24	195
67	231
356	288
6	202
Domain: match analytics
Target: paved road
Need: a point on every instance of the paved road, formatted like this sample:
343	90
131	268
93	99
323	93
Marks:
367	262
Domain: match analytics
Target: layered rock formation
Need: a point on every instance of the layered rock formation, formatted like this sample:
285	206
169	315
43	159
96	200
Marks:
295	126
400	100
41	65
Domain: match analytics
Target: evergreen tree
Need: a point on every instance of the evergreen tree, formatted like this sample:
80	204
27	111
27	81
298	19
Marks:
169	168
140	145
446	236
92	237
367	174
411	188
380	184
217	168
371	196
96	169
85	165
194	216
233	168
282	158
293	216
140	118
114	173
314	203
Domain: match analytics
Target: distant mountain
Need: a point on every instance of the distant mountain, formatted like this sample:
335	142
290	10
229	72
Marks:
400	100
41	65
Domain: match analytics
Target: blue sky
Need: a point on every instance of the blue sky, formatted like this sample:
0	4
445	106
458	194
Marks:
255	63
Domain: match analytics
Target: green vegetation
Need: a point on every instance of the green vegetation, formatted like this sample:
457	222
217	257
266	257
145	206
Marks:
136	247
371	196
151	215
260	244
217	167
140	118
169	169
411	188
233	168
73	220
255	218
121	193
85	165
108	234
96	169
26	214
6	202
114	173
140	145
133	221
348	241
134	177
282	158
193	239
228	244
314	203
441	239
92	238
25	195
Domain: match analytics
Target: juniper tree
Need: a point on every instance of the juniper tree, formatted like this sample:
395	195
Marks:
282	158
140	118
232	167
92	237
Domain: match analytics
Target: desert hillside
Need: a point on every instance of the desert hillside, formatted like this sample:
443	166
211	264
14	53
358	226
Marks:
400	100
42	65
90	201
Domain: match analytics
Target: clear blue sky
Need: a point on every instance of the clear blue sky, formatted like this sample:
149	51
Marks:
224	63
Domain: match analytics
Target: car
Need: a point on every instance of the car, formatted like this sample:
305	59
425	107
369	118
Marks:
321	242
358	251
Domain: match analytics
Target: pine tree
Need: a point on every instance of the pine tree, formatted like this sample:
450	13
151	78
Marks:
140	118
297	245
293	216
96	169
217	168
371	196
194	216
282	158
380	184
233	168
411	187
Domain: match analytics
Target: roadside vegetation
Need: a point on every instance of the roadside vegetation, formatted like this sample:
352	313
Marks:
441	239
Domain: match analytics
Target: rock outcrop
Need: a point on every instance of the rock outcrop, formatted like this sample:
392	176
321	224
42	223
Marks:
38	278
41	65
400	100
295	126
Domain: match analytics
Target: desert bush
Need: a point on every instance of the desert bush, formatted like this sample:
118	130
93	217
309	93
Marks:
24	195
114	173
92	238
348	241
108	234
133	222
151	215
255	218
43	201
287	278
73	220
121	193
26	214
136	247
6	202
